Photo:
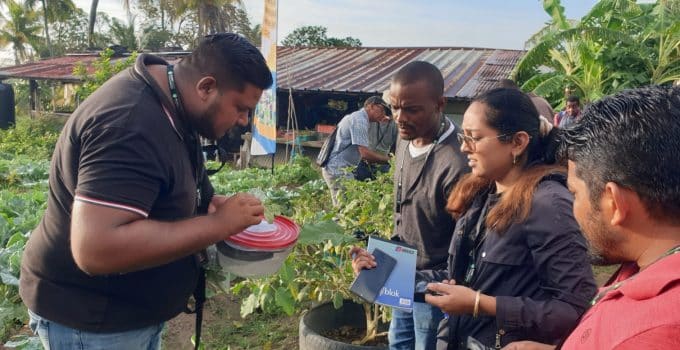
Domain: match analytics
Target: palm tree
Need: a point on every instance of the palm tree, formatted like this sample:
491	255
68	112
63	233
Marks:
93	18
47	28
52	11
212	15
165	9
31	4
124	34
20	29
209	16
90	26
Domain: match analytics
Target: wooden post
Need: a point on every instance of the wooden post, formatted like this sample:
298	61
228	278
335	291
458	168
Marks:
273	156
244	156
32	96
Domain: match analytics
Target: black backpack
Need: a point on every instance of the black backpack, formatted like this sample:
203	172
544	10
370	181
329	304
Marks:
326	149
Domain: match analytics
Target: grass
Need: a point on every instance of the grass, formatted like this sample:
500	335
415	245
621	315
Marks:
224	329
256	332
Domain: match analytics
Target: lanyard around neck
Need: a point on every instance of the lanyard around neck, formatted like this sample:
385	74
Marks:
193	143
442	129
173	88
618	285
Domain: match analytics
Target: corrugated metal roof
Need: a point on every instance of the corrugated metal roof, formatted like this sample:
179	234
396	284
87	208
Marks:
58	68
61	68
466	71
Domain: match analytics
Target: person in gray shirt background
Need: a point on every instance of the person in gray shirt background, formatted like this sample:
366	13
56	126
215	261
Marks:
382	138
352	144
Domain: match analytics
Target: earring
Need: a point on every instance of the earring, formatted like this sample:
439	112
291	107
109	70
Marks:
514	159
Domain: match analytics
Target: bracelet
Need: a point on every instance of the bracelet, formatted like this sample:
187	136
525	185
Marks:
475	311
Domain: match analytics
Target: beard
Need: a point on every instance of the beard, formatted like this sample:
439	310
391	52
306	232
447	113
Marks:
603	242
412	129
409	131
204	123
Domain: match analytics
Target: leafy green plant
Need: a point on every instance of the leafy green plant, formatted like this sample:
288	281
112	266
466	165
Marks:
24	163
279	189
21	171
19	213
104	68
32	138
367	206
618	44
319	269
12	311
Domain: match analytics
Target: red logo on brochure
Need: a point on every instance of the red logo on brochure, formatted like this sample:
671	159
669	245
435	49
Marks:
400	249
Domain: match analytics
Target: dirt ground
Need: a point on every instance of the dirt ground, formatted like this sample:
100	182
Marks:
223	328
179	330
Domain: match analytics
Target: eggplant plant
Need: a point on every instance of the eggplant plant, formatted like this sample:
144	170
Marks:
319	269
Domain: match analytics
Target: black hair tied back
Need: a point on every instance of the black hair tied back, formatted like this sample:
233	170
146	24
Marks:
550	144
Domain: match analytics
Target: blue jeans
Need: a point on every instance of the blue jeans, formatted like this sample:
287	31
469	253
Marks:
415	330
55	336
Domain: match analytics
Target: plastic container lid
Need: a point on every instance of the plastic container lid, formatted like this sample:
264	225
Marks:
280	234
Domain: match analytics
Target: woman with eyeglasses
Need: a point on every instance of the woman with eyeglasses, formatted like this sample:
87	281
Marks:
518	266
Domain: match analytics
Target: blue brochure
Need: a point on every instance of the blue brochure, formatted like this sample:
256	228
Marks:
398	290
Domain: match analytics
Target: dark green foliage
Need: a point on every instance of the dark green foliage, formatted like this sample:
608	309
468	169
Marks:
619	44
33	138
105	67
315	36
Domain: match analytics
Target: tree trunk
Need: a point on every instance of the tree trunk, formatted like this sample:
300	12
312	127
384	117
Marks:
93	17
47	29
160	3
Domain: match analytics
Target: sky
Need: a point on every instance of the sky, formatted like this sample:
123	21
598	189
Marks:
503	24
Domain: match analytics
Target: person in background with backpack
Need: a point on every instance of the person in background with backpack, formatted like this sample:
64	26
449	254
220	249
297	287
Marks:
382	137
351	144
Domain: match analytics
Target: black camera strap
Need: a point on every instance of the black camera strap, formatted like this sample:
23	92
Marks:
193	144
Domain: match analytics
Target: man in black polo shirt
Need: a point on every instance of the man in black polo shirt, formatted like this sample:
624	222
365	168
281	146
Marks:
129	201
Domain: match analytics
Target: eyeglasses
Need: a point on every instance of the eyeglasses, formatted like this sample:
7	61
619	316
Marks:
471	142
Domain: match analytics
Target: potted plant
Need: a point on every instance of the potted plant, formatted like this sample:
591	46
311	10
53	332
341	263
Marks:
318	272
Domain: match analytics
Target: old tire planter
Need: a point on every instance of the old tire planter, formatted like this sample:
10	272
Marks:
325	317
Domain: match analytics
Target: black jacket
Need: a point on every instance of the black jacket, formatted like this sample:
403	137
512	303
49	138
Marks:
538	270
421	220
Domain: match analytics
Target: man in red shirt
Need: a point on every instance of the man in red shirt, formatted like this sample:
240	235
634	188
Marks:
623	170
